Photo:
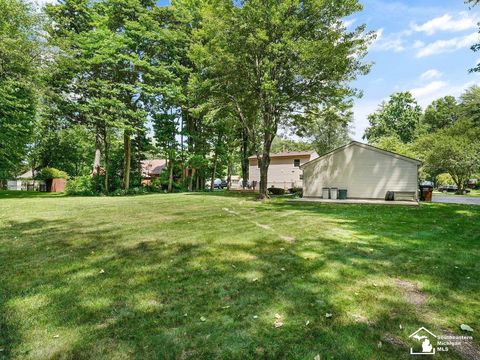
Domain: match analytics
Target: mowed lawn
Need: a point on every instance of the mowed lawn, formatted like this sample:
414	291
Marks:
213	276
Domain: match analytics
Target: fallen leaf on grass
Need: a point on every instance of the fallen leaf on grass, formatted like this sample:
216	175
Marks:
254	280
317	357
328	315
255	316
203	319
101	271
278	324
278	316
56	336
225	307
307	322
465	327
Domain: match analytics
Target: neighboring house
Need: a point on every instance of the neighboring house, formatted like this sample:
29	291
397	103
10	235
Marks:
25	181
284	170
366	172
152	169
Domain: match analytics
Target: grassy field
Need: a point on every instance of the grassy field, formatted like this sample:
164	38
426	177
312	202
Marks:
198	276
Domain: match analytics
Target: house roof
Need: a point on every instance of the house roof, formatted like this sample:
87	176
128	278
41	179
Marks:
365	146
152	167
288	154
26	175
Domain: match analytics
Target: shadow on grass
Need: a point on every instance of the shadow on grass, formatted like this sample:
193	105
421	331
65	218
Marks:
27	194
194	292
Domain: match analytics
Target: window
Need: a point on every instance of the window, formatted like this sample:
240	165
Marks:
296	162
301	176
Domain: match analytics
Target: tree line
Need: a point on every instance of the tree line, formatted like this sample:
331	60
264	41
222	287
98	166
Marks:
446	136
94	87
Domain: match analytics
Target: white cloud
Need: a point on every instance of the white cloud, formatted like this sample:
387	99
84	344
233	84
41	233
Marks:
450	45
437	89
395	41
428	89
462	21
418	44
431	74
349	22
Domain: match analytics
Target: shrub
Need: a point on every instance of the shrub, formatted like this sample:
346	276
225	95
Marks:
131	191
49	173
296	191
82	185
276	191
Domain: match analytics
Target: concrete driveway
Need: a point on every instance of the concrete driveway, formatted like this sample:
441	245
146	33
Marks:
456	199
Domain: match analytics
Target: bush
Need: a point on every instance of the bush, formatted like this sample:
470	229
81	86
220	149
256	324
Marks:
82	185
49	173
296	191
131	191
276	191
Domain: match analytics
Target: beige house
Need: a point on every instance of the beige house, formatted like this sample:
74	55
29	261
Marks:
284	170
366	172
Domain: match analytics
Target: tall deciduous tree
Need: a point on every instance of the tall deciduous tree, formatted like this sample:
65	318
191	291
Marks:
470	104
441	113
19	57
273	59
455	150
399	116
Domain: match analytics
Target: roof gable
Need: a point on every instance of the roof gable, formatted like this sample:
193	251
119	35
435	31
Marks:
364	146
289	154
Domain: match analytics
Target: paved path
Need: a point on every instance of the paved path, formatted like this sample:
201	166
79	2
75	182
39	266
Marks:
456	199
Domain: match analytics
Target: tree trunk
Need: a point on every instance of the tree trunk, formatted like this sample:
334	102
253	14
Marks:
170	175
105	142
190	184
215	157
229	175
98	151
245	164
264	164
127	148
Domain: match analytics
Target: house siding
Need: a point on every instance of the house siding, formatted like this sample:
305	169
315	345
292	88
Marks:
281	173
364	172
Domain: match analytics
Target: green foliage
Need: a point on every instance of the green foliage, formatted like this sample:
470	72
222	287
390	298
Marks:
394	144
399	116
445	179
296	191
276	191
280	144
470	104
455	150
19	53
131	191
327	128
81	185
441	113
267	67
51	173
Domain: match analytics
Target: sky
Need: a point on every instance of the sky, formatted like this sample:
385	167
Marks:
422	46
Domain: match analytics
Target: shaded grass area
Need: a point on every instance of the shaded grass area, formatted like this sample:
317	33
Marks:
202	276
27	194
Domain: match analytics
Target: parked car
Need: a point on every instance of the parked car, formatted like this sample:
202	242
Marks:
447	188
450	189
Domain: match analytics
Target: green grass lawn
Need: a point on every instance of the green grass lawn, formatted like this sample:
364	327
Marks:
199	276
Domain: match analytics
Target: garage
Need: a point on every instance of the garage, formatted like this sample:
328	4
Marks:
364	171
